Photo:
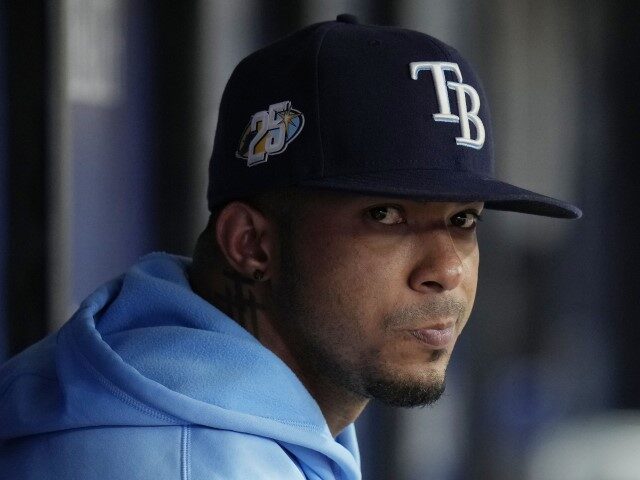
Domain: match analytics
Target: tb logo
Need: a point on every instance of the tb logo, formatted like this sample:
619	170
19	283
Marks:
466	114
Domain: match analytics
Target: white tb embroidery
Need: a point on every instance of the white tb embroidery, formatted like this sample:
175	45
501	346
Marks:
462	90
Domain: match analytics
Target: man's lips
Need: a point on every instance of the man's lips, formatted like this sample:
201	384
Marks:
437	336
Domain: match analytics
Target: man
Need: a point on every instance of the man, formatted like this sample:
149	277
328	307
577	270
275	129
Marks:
350	167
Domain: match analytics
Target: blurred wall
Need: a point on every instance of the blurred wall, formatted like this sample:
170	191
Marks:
107	115
109	86
4	184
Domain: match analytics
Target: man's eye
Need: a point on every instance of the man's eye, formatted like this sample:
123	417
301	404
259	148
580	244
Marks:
386	214
465	220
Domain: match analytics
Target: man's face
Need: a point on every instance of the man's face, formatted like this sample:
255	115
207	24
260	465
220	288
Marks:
373	292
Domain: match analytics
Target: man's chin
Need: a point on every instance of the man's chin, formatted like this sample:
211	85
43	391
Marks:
398	393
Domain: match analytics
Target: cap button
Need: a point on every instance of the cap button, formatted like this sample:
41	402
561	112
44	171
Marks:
347	18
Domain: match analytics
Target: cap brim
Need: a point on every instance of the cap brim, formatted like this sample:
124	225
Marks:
451	186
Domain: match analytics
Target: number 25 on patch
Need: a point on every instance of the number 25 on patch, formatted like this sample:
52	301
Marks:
269	132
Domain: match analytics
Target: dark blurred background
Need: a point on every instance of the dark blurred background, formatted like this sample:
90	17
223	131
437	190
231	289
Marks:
107	115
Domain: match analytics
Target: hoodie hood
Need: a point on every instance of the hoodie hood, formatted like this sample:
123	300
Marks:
145	350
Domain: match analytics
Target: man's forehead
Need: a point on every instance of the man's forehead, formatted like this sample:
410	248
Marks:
477	203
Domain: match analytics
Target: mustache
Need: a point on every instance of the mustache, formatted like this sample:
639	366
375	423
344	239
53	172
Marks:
433	310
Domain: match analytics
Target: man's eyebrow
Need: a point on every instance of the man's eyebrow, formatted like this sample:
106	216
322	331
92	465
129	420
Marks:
462	204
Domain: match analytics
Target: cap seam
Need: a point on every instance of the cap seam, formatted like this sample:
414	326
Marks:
317	85
435	44
447	56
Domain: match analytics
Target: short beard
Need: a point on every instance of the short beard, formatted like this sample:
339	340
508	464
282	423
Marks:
396	393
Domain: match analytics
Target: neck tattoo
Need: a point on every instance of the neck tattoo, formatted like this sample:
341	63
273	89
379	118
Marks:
239	301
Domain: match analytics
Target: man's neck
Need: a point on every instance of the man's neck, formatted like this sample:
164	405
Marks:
339	406
241	300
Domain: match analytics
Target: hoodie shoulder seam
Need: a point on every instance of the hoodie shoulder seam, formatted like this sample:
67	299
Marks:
119	394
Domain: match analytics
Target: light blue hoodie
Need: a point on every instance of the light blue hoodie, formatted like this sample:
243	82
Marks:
149	381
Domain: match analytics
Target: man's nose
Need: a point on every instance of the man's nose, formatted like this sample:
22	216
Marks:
439	267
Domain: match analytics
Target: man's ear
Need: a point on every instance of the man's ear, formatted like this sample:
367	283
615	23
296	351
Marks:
245	237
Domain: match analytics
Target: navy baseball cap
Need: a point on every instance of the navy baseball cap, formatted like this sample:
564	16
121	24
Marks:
365	109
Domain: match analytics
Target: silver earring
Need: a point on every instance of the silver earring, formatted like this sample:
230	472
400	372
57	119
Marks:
258	275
